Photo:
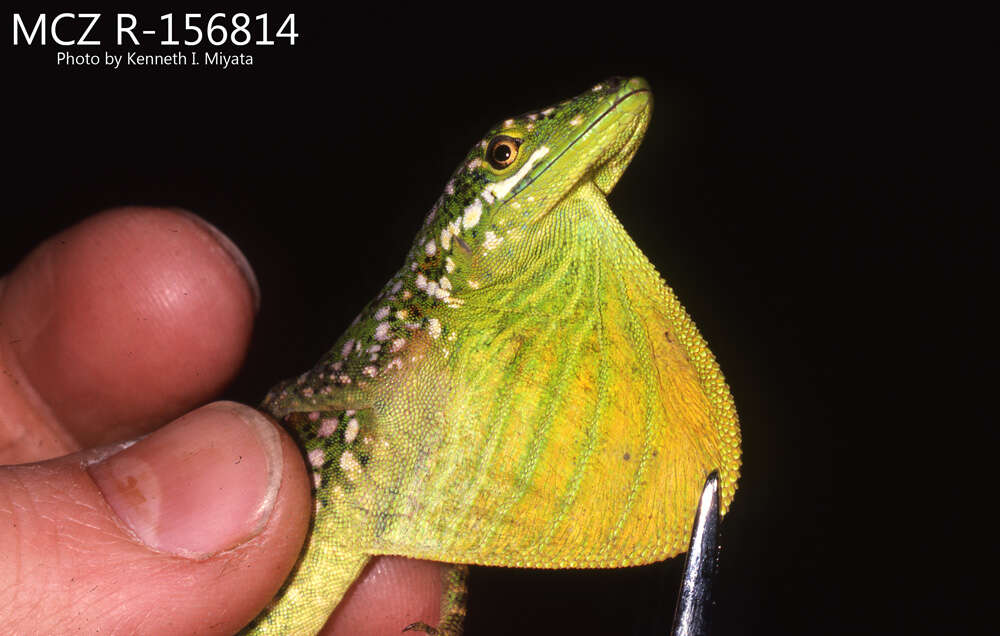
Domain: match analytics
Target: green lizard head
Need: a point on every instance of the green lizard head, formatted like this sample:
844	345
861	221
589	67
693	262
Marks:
525	165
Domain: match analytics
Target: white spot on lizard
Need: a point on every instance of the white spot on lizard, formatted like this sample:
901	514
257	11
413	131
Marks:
491	241
328	427
316	457
349	464
352	430
472	213
434	327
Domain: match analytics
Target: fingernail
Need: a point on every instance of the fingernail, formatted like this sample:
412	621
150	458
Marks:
205	483
241	262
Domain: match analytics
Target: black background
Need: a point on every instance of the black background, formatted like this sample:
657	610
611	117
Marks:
806	187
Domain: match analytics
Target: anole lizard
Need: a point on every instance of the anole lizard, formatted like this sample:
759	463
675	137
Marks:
526	391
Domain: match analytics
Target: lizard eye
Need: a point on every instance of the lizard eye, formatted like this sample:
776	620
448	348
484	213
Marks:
502	151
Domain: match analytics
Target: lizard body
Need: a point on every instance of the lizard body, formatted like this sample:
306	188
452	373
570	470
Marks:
526	391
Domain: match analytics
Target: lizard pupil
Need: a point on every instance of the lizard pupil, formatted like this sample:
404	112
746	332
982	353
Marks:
502	151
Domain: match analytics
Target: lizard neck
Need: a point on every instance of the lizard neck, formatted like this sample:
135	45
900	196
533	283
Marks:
538	271
541	279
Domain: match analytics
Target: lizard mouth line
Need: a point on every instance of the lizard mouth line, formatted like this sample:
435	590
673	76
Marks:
531	179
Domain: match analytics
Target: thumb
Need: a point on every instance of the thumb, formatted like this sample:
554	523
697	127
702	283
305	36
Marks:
190	530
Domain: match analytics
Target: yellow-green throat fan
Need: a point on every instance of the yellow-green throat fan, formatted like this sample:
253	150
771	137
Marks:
526	391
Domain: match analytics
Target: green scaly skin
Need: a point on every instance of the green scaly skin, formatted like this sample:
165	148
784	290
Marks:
524	361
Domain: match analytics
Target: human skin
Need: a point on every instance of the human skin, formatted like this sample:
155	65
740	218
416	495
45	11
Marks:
120	327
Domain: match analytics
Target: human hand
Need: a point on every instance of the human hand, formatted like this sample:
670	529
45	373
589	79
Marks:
108	331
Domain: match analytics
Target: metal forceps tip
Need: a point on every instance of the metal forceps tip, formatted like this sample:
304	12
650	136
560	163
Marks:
694	600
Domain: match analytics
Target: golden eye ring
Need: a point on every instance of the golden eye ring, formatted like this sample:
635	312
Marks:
502	151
